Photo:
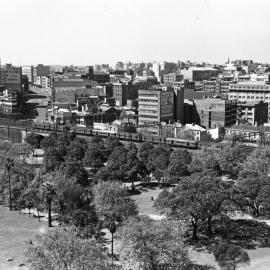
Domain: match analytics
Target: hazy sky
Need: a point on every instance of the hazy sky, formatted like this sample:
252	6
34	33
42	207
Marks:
85	32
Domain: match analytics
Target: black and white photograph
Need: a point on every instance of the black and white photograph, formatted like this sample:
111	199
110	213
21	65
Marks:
134	135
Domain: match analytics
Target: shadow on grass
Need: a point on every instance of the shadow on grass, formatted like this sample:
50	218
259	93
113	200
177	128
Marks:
248	234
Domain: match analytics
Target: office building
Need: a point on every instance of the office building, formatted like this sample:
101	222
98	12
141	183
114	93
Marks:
198	74
11	77
172	77
28	71
214	112
252	113
156	105
120	94
179	104
250	91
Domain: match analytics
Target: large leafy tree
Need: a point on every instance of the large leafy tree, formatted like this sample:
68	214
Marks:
52	160
148	244
95	155
75	168
34	140
145	150
112	202
197	198
178	166
229	256
253	193
231	160
63	249
158	161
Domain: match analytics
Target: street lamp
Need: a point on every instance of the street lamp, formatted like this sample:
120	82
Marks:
112	229
9	164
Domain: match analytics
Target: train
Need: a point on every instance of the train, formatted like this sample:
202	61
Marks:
135	137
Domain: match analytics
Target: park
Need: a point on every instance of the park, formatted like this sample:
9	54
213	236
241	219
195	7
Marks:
130	187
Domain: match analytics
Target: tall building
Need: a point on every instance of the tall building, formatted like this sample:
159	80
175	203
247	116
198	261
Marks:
28	71
179	104
212	112
120	94
156	70
156	105
250	91
11	77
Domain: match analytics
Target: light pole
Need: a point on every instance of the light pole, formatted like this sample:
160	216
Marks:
9	164
112	229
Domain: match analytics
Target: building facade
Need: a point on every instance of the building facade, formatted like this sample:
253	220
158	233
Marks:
172	77
120	94
253	113
28	71
11	77
198	74
155	106
211	112
250	92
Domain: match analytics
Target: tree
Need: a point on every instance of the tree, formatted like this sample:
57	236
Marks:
34	140
178	166
111	144
63	249
181	155
50	141
75	168
77	149
112	202
158	161
206	161
144	151
152	245
196	198
254	192
95	156
231	160
113	205
48	192
229	256
52	160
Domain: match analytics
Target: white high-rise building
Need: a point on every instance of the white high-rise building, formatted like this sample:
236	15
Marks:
156	70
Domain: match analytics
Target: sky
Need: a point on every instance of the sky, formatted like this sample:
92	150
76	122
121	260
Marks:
87	32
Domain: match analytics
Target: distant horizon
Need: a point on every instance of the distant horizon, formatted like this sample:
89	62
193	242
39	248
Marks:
136	62
106	31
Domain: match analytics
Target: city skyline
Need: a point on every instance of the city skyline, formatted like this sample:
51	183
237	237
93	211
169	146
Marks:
96	32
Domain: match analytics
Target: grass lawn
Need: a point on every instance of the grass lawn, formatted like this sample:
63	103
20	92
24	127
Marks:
15	230
145	203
